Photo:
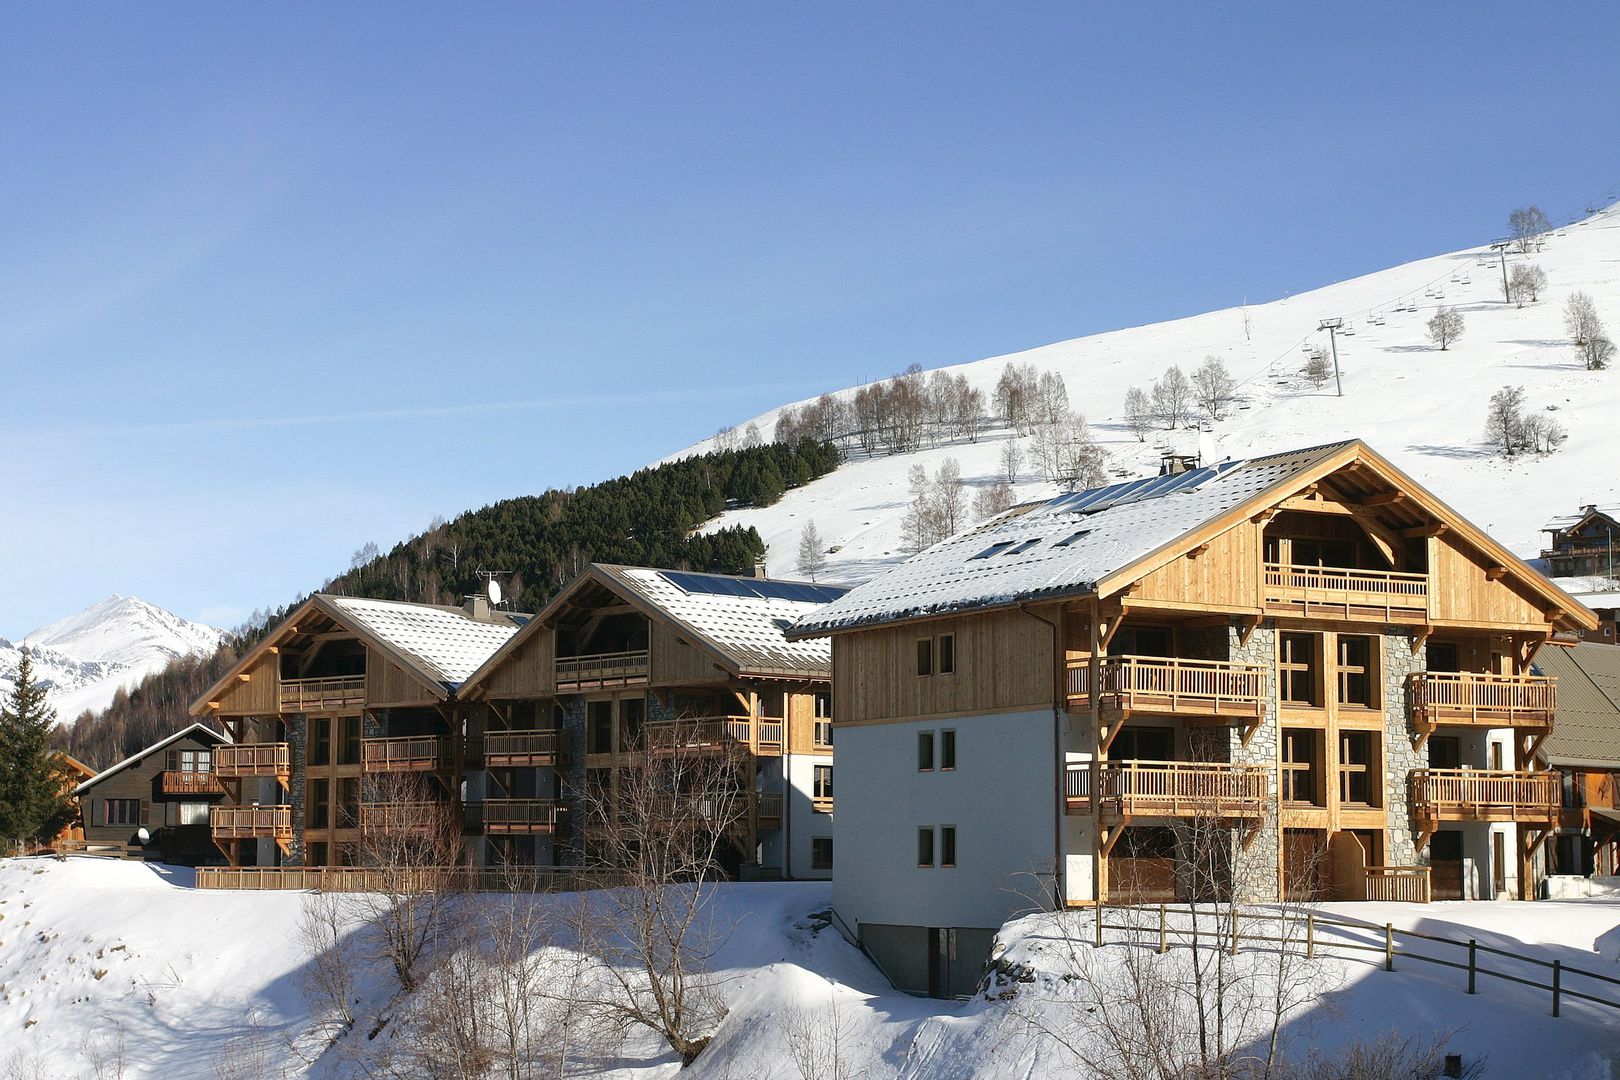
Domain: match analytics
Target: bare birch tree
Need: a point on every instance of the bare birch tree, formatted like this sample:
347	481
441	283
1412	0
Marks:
812	556
1525	226
1012	459
1172	398
1213	387
1138	412
1526	284
1445	327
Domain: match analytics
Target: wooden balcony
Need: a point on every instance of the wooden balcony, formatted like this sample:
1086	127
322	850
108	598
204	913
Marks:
410	753
1484	795
252	823
1180	789
182	782
253	759
1194	688
821	804
602	670
717	734
1399	884
422	817
323	695
769	815
1445	697
503	749
507	817
1328	591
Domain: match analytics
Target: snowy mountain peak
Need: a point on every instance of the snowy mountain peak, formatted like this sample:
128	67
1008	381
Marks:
85	658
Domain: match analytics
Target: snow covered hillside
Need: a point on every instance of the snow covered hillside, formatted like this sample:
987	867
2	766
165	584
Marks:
86	657
1423	408
180	976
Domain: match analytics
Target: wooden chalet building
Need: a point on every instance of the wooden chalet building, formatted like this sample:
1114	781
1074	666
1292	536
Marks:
1583	544
1305	661
627	661
1584	750
331	709
156	804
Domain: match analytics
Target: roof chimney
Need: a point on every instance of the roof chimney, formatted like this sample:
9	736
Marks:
759	569
1175	464
477	607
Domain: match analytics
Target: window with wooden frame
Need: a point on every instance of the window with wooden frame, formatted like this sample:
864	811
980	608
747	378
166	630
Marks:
947	749
1357	671
120	811
925	656
348	802
319	803
1298	668
599	727
1445	752
1301	760
320	740
925	847
821	853
936	655
632	717
925	751
1356	771
193	813
190	761
822	788
821	731
947	845
348	740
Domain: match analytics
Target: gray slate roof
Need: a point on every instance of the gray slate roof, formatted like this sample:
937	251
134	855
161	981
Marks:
1586	730
1063	546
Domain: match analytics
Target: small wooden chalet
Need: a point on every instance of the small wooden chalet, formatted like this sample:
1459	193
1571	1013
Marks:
156	804
1584	750
347	713
629	660
1293	676
1583	544
76	772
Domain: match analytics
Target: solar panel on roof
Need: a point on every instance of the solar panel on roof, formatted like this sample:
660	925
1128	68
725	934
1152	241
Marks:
760	589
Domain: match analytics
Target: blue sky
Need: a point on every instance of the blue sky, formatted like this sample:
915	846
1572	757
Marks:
276	280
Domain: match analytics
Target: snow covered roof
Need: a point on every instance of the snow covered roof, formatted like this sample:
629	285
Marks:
1565	522
1063	546
744	618
199	729
445	643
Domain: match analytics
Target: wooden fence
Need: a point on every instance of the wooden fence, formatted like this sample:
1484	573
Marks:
418	879
1318	935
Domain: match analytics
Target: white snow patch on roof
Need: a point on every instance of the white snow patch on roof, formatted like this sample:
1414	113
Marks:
446	642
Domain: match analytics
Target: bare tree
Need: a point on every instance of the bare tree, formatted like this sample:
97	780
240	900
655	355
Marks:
1541	433
1015	396
1581	318
1445	327
725	439
938	506
819	1041
1051	399
328	980
1504	419
1526	284
1213	386
1317	368
1138	412
1525	226
1012	459
751	436
1172	398
661	829
812	558
1391	1055
1598	352
993	500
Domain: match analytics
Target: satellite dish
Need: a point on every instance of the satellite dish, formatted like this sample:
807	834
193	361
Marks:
142	835
494	591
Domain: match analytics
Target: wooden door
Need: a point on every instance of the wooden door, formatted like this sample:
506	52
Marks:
1498	860
1446	865
1304	851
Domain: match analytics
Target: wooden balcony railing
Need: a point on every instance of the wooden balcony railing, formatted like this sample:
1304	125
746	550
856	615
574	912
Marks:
1170	788
1312	590
1403	884
715	733
323	695
417	879
602	669
1164	684
407	817
408	753
1445	697
253	759
821	804
520	748
181	782
770	809
521	816
251	822
1485	795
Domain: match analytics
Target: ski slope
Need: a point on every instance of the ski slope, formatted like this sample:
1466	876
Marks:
1423	408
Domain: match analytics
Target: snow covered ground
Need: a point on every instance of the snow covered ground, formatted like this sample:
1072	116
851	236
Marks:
1423	408
85	658
89	948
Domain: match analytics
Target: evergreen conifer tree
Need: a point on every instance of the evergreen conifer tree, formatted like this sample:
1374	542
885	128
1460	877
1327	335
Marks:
34	785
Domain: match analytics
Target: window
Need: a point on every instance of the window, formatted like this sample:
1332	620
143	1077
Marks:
317	855
925	656
945	647
1355	767
348	802
120	811
947	845
1296	669
320	740
320	799
193	813
632	711
1444	752
821	853
349	745
1143	744
1356	671
994	549
925	846
191	761
947	749
1299	760
821	734
823	789
599	727
925	751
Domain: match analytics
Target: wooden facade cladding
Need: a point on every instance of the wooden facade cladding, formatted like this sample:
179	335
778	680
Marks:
676	663
390	686
255	692
1222	574
527	672
1467	589
1003	662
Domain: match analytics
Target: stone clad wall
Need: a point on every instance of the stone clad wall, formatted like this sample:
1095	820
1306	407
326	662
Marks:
1254	866
1400	842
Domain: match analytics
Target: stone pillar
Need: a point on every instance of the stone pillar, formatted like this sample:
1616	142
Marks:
1399	661
1254	865
297	738
570	840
